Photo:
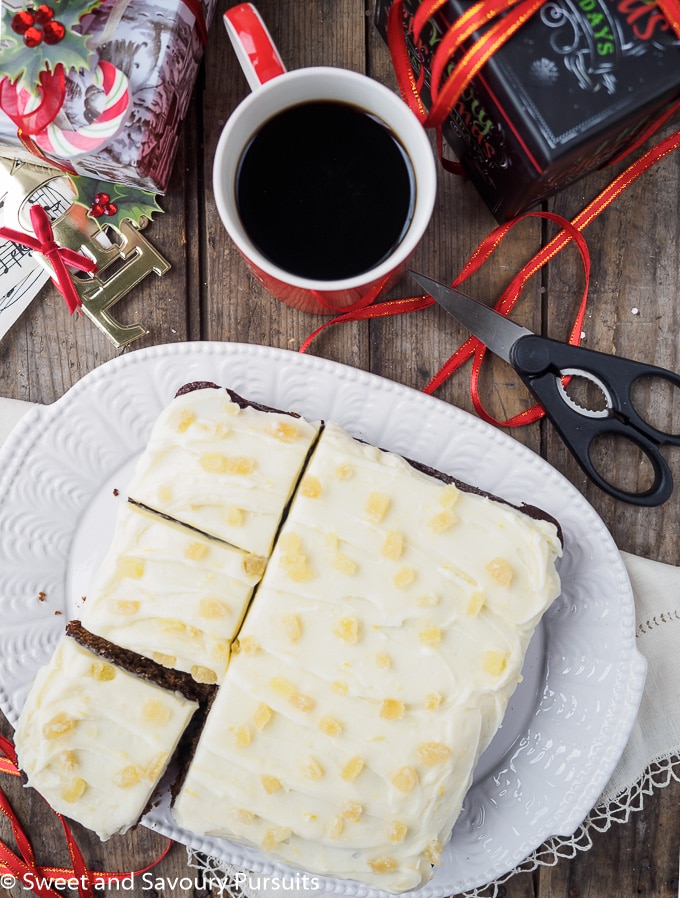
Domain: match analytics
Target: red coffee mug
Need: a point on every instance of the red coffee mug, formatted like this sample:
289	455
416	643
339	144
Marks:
274	90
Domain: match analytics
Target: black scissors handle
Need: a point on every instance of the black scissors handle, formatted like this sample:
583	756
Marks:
540	361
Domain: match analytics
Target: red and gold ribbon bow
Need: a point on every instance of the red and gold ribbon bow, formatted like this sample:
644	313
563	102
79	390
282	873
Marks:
38	878
58	257
52	93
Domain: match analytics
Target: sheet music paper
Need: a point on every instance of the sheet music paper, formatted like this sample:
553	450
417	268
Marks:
22	272
16	300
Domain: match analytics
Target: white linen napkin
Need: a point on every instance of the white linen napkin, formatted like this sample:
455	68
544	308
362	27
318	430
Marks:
651	758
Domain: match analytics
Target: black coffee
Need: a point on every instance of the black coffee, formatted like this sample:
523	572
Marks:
325	190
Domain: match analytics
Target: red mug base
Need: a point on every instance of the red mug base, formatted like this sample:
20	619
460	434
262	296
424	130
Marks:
325	302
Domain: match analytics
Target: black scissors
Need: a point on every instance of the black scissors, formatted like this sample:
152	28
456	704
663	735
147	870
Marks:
542	363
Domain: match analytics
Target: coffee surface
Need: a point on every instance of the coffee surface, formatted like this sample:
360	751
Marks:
325	190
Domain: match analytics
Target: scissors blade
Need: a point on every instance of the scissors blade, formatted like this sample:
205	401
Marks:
493	329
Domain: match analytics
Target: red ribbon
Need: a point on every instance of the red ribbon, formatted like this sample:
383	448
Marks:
36	877
58	257
671	12
52	92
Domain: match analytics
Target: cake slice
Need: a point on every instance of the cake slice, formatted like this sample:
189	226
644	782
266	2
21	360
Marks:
95	740
372	669
223	465
171	594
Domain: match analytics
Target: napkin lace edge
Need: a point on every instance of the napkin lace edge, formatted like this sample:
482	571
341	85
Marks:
230	880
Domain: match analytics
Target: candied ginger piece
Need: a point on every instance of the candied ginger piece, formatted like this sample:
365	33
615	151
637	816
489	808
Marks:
312	769
405	779
431	753
310	487
404	577
156	712
196	551
270	784
203	674
330	726
501	571
383	864
392	709
348	629
74	790
396	832
285	431
351	810
132	568
352	769
263	715
58	725
377	506
127	776
494	663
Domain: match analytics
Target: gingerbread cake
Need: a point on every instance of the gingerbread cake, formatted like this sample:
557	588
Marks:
223	465
362	662
171	594
95	740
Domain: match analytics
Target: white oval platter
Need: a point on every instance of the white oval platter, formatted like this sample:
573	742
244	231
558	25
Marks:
570	718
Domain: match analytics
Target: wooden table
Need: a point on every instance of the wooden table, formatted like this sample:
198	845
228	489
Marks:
209	294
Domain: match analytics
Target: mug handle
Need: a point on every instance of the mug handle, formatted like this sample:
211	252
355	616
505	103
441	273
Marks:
253	44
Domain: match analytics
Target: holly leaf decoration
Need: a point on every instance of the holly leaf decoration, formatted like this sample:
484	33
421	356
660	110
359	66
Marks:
109	203
49	34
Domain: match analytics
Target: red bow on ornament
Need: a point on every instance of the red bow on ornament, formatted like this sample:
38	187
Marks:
58	256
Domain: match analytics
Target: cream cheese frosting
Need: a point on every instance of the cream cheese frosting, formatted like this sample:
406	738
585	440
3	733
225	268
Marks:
171	594
372	669
95	740
227	470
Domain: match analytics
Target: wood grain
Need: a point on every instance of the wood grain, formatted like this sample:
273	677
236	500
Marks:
210	295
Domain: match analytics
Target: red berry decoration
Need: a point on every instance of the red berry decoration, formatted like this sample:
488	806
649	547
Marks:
33	36
53	31
102	199
110	209
96	210
22	21
43	14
